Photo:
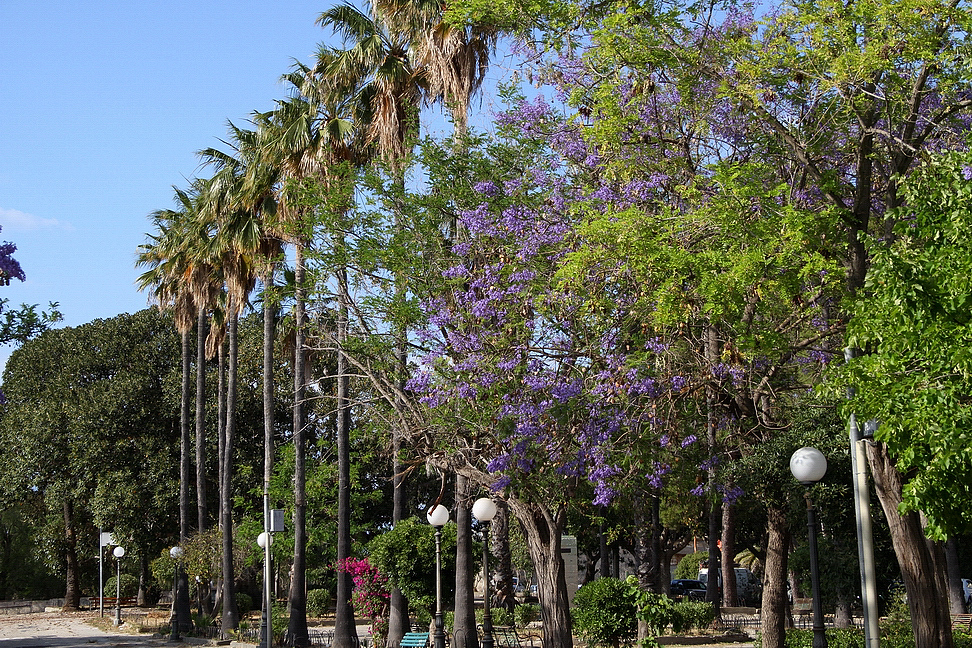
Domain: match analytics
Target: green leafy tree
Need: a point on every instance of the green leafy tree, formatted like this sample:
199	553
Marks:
89	426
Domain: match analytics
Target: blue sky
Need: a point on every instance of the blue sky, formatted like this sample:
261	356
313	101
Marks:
103	105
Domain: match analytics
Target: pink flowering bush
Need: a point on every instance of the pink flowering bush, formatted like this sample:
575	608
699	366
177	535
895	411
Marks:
370	596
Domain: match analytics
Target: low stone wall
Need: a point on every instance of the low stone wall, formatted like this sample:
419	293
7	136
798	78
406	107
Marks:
28	607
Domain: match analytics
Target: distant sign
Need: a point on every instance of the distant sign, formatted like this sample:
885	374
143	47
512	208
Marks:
107	539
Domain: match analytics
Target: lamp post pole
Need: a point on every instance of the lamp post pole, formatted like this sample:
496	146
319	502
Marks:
264	540
118	552
484	509
174	634
809	466
437	517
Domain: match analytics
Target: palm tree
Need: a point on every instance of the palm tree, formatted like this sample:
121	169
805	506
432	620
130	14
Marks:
311	136
172	259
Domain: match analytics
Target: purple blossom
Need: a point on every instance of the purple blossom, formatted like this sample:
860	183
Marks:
967	172
689	440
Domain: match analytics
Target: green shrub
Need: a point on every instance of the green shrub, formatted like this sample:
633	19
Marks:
526	614
279	621
688	567
244	602
688	615
500	616
605	613
318	602
129	586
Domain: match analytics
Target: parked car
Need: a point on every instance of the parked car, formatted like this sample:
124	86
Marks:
967	592
691	589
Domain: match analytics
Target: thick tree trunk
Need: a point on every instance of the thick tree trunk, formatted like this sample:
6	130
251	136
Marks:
730	597
648	552
297	601
921	561
202	513
956	593
345	633
715	512
543	530
773	613
230	617
464	625
603	560
72	590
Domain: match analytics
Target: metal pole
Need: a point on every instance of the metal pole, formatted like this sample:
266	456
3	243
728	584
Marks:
174	632
438	636
487	616
865	538
101	571
819	632
118	592
266	621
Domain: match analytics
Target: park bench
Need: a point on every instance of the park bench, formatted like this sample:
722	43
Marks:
112	602
962	622
414	640
508	637
803	608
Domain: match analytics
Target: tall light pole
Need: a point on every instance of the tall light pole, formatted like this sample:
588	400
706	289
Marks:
862	513
264	540
118	552
484	510
438	517
176	553
809	466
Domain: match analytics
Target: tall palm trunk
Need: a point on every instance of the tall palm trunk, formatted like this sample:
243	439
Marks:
297	602
201	508
269	322
184	439
345	634
464	626
230	614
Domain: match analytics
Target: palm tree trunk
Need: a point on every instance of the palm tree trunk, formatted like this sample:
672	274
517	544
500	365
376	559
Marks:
201	508
500	546
269	322
184	440
345	633
221	421
230	615
297	601
464	626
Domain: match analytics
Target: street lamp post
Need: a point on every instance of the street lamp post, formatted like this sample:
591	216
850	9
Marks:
176	553
118	552
484	510
809	466
437	517
264	540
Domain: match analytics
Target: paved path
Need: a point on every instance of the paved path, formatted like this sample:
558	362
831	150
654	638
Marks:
65	630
